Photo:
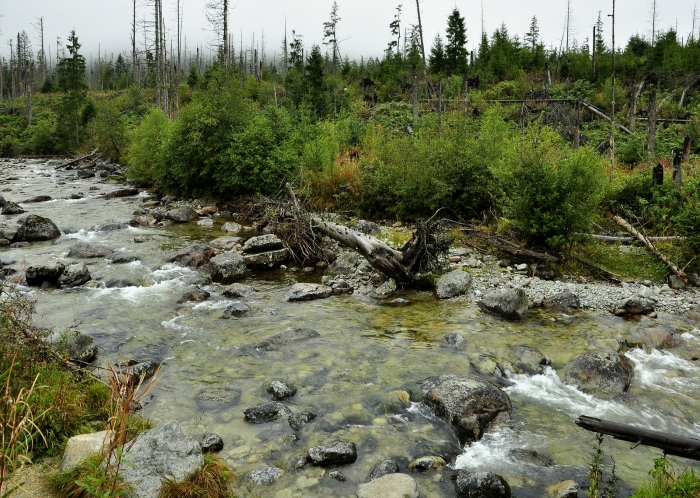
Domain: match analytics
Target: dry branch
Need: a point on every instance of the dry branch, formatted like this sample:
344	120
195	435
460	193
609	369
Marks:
74	161
514	249
670	264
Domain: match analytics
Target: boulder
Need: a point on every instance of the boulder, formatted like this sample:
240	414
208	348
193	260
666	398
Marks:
307	292
528	360
481	485
467	403
81	447
345	263
382	469
238	290
49	273
232	227
563	489
196	295
385	290
606	374
11	208
35	229
211	443
510	304
86	173
454	283
226	243
263	243
74	275
367	227
265	476
566	302
82	250
39	198
267	412
266	260
192	256
183	214
280	390
236	309
389	486
287	337
124	192
227	267
80	348
676	282
206	223
427	464
661	337
335	453
145	220
164	452
634	305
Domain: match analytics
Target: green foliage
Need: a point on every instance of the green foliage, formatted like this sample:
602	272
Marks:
110	130
48	86
667	483
88	112
193	77
40	138
147	155
86	480
455	49
600	487
211	481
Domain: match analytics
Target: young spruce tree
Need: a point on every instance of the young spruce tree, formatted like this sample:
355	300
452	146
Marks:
455	50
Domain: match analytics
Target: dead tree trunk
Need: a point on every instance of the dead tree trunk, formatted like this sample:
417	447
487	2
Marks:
671	445
650	78
651	130
687	143
414	97
694	81
677	169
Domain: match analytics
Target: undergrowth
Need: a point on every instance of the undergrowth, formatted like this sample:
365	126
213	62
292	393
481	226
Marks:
211	481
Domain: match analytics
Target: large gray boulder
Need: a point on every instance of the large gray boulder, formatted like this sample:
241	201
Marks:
82	250
228	267
307	292
181	215
11	208
262	243
481	485
335	453
36	229
49	273
566	302
468	403
83	446
600	374
345	263
74	275
510	304
266	260
164	452
192	256
389	486
454	283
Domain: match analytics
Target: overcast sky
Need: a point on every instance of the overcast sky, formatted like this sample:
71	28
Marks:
364	25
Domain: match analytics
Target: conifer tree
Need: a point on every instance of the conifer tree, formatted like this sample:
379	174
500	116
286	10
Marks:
455	49
437	56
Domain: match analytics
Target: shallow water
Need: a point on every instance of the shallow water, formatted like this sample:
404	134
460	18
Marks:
346	376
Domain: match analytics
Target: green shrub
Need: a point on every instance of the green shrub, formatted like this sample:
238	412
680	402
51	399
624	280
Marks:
146	158
110	130
666	483
40	138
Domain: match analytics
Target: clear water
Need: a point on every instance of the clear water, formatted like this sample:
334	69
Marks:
346	376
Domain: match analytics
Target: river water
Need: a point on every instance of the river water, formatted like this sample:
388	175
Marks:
346	376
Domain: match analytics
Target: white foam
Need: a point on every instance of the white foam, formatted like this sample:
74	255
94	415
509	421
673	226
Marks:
494	449
665	371
212	305
83	235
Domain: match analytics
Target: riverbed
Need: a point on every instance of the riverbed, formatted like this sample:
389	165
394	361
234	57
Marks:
366	351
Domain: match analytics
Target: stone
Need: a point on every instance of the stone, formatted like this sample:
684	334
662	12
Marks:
226	243
308	292
211	443
236	309
74	276
124	192
183	214
81	447
390	486
266	260
265	476
263	243
36	229
661	337
206	222
338	476
298	420
232	227
49	273
227	267
600	374
676	282
454	283
367	227
82	250
467	403
137	371
566	302
11	208
146	220
644	291
510	304
280	390
86	173
37	199
345	264
382	469
4	242
238	290
164	452
288	336
455	340
335	453
2	201
192	256
481	485
217	398
427	464
122	258
267	412
528	360
563	489
196	295
80	348
385	290
634	305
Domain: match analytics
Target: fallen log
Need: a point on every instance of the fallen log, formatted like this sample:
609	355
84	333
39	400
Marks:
601	114
670	264
610	238
670	444
74	161
513	249
614	277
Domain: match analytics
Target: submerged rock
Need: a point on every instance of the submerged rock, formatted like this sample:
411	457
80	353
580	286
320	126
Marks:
389	486
82	250
280	390
236	309
606	373
287	337
37	199
36	229
196	295
307	292
267	412
217	398
335	453
192	256
385	468
528	360
454	283
266	475
563	489
238	290
510	304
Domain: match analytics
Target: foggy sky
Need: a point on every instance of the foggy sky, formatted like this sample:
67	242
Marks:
364	25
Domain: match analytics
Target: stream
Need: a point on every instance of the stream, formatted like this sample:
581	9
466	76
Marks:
346	376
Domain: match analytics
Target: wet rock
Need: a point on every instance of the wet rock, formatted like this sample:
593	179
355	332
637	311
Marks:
136	372
2	201
11	208
564	489
145	220
694	279
122	258
268	412
389	486
661	337
385	290
211	443
236	309
196	295
676	282
454	283
427	464
49	273
81	447
37	199
226	243
298	420
606	373
82	250
74	275
164	452
232	227
206	222
345	264
528	360
634	305
19	245
183	214
280	390
265	476
308	292
266	260
455	340
566	302
335	453
192	256
217	398
467	403
531	456
287	337
124	192
80	348
382	469
4	242
481	485
338	476
510	304
263	243
228	267
112	227
35	229
85	173
238	290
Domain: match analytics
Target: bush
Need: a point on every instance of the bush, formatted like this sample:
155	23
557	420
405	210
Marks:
666	483
40	138
110	130
146	158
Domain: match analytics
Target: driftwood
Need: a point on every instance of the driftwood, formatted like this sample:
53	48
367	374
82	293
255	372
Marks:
671	445
74	161
514	249
671	266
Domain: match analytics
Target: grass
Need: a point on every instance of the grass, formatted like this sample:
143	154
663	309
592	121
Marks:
211	481
630	262
666	483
